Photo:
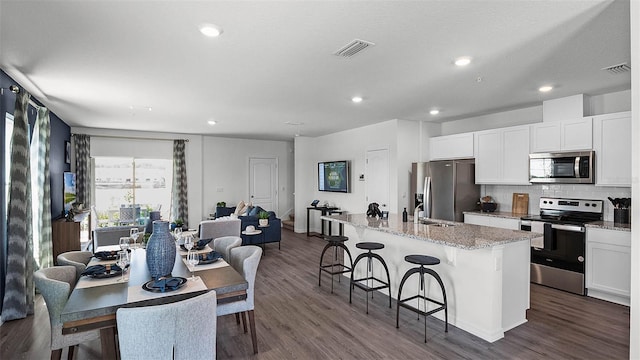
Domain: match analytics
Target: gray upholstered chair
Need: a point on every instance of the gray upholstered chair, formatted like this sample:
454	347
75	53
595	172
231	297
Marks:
77	259
245	259
212	229
55	285
224	244
182	330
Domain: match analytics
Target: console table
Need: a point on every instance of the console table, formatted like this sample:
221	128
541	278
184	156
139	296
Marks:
324	210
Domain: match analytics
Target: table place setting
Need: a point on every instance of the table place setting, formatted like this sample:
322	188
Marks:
162	287
205	261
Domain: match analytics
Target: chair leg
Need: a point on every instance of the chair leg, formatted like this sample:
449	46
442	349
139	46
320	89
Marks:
244	321
238	318
56	354
254	337
70	354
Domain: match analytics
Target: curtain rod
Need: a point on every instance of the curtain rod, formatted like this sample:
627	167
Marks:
133	138
16	90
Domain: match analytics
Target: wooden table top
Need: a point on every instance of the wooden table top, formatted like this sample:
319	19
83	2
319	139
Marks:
104	301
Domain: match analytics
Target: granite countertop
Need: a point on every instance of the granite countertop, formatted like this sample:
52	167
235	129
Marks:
609	225
499	214
460	235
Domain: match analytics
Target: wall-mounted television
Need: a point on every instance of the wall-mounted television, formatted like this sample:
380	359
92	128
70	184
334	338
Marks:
333	176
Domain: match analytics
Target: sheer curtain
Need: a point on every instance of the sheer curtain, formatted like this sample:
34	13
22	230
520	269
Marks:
41	190
179	202
19	289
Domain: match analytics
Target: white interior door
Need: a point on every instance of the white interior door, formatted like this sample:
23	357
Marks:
377	178
263	183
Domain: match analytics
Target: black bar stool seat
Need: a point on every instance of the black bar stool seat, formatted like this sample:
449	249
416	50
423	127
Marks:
335	242
422	261
363	283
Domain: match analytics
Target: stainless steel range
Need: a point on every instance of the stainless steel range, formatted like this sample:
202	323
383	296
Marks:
558	257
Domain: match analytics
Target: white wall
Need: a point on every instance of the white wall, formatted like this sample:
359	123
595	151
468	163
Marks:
212	163
352	145
225	175
635	182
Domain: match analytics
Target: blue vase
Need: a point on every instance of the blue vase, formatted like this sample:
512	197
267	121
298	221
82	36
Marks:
153	216
161	250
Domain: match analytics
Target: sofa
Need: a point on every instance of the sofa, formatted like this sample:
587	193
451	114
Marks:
272	233
111	235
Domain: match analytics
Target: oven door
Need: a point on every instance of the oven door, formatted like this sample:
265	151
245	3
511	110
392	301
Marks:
557	258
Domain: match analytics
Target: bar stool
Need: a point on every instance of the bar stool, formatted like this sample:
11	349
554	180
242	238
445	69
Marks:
369	255
335	242
422	260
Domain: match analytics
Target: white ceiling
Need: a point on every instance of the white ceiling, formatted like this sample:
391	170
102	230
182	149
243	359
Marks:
101	64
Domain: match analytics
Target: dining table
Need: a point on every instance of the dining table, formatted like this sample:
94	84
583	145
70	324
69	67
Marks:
93	303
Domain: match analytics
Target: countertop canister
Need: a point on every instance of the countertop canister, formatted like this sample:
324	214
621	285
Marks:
161	250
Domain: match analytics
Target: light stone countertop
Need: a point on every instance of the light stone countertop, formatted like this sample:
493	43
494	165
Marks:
464	236
609	225
498	214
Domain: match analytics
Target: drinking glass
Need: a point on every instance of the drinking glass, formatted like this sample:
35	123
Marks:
177	233
188	242
124	243
193	259
134	233
122	262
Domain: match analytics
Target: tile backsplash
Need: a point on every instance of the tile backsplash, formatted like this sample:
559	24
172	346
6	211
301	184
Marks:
503	194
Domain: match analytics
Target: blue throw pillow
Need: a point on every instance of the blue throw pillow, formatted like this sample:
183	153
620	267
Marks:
254	211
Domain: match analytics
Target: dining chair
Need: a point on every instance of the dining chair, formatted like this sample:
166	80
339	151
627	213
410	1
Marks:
245	260
212	229
55	284
224	244
77	259
181	330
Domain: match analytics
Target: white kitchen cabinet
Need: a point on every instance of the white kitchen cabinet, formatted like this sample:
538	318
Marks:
457	146
565	135
612	144
502	156
493	221
608	265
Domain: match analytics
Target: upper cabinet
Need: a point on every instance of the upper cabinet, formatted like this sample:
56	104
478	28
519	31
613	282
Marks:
457	146
502	156
567	135
612	144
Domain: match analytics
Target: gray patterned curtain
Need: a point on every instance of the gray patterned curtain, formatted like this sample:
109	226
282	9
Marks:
82	147
41	188
179	202
19	290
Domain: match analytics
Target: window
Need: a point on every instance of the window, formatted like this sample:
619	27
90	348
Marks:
8	133
126	189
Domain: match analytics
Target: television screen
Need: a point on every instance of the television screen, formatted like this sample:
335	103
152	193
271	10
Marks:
333	176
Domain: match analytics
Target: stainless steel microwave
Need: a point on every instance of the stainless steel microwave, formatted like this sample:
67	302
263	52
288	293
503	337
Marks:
562	167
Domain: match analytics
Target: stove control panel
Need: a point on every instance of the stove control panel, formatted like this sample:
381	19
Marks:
592	206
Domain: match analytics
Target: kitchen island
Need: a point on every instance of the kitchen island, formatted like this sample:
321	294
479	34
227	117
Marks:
485	270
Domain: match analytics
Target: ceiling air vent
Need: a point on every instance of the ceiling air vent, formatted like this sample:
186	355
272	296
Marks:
617	69
353	48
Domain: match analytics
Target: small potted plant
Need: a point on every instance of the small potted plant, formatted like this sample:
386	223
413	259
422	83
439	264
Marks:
179	224
221	204
263	218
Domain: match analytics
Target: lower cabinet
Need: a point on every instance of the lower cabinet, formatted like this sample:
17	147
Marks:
65	236
608	265
493	221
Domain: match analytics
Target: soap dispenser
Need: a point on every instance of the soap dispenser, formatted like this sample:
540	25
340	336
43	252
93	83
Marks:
405	217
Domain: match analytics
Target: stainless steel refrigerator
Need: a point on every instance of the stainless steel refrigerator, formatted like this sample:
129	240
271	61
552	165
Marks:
446	188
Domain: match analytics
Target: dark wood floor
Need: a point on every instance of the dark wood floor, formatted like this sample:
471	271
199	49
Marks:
296	319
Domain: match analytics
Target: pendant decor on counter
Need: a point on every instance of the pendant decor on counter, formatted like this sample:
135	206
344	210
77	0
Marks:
161	250
153	216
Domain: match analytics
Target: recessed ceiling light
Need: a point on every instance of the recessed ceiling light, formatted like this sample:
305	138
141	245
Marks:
462	61
212	122
356	99
545	88
210	30
434	112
